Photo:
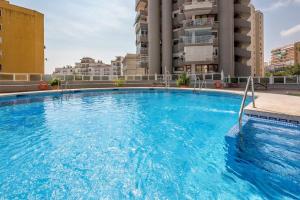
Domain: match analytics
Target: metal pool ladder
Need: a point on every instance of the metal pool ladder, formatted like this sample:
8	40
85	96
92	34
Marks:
200	84
167	79
250	80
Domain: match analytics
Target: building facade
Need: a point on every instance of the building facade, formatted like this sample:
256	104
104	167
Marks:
257	43
117	66
193	36
286	56
86	66
21	39
131	67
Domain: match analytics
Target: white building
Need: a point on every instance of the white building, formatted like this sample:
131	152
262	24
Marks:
86	66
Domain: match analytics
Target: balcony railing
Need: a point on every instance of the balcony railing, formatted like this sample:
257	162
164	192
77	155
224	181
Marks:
198	40
199	22
189	4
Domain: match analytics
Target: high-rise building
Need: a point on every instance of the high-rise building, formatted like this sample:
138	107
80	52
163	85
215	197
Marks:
257	42
21	39
286	56
194	36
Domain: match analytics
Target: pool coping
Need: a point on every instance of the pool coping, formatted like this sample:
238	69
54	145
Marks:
262	110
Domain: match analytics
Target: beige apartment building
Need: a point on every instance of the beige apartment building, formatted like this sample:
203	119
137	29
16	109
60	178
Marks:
116	65
130	66
88	67
194	36
257	42
286	56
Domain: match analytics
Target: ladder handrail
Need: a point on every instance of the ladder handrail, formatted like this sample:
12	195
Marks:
201	83
195	82
241	112
167	79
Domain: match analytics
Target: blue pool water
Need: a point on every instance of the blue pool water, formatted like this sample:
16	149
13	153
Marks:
143	144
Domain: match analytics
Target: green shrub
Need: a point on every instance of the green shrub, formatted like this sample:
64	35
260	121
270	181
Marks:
55	82
119	82
183	80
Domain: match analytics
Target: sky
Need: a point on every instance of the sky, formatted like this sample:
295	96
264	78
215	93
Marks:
103	29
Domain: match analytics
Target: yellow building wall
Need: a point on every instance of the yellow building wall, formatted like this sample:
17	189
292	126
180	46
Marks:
22	45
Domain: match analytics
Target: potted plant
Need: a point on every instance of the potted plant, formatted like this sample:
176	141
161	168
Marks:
119	82
55	83
183	81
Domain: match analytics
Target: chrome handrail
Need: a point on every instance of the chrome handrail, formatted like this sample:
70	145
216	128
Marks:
167	79
241	112
201	83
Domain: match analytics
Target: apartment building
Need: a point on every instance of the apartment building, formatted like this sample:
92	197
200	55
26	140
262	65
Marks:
21	39
196	36
257	42
130	65
116	65
86	66
286	56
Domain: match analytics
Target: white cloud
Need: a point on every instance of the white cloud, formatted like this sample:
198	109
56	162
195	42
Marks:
290	31
276	4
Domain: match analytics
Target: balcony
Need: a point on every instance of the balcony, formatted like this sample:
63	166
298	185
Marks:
200	8
141	38
242	24
198	23
243	10
141	15
240	52
140	25
140	5
199	40
242	38
177	21
178	33
142	51
178	48
143	62
192	5
212	60
242	69
178	62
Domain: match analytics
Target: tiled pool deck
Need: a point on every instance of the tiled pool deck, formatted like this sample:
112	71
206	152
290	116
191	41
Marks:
276	106
268	106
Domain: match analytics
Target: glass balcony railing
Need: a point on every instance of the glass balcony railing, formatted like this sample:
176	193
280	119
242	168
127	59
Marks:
199	22
207	39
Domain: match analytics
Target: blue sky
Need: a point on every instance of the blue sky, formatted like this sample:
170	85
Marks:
103	29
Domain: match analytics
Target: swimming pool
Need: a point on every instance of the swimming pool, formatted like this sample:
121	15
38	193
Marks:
140	144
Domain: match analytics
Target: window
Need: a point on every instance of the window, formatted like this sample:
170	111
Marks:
0	12
0	67
0	27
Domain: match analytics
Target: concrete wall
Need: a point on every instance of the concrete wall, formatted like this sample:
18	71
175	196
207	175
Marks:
167	36
196	53
154	36
226	36
23	40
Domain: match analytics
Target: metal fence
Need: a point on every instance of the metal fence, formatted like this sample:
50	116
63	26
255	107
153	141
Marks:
18	77
285	80
156	77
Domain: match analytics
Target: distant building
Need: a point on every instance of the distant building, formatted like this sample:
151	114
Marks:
86	66
117	65
131	67
286	56
21	39
257	42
